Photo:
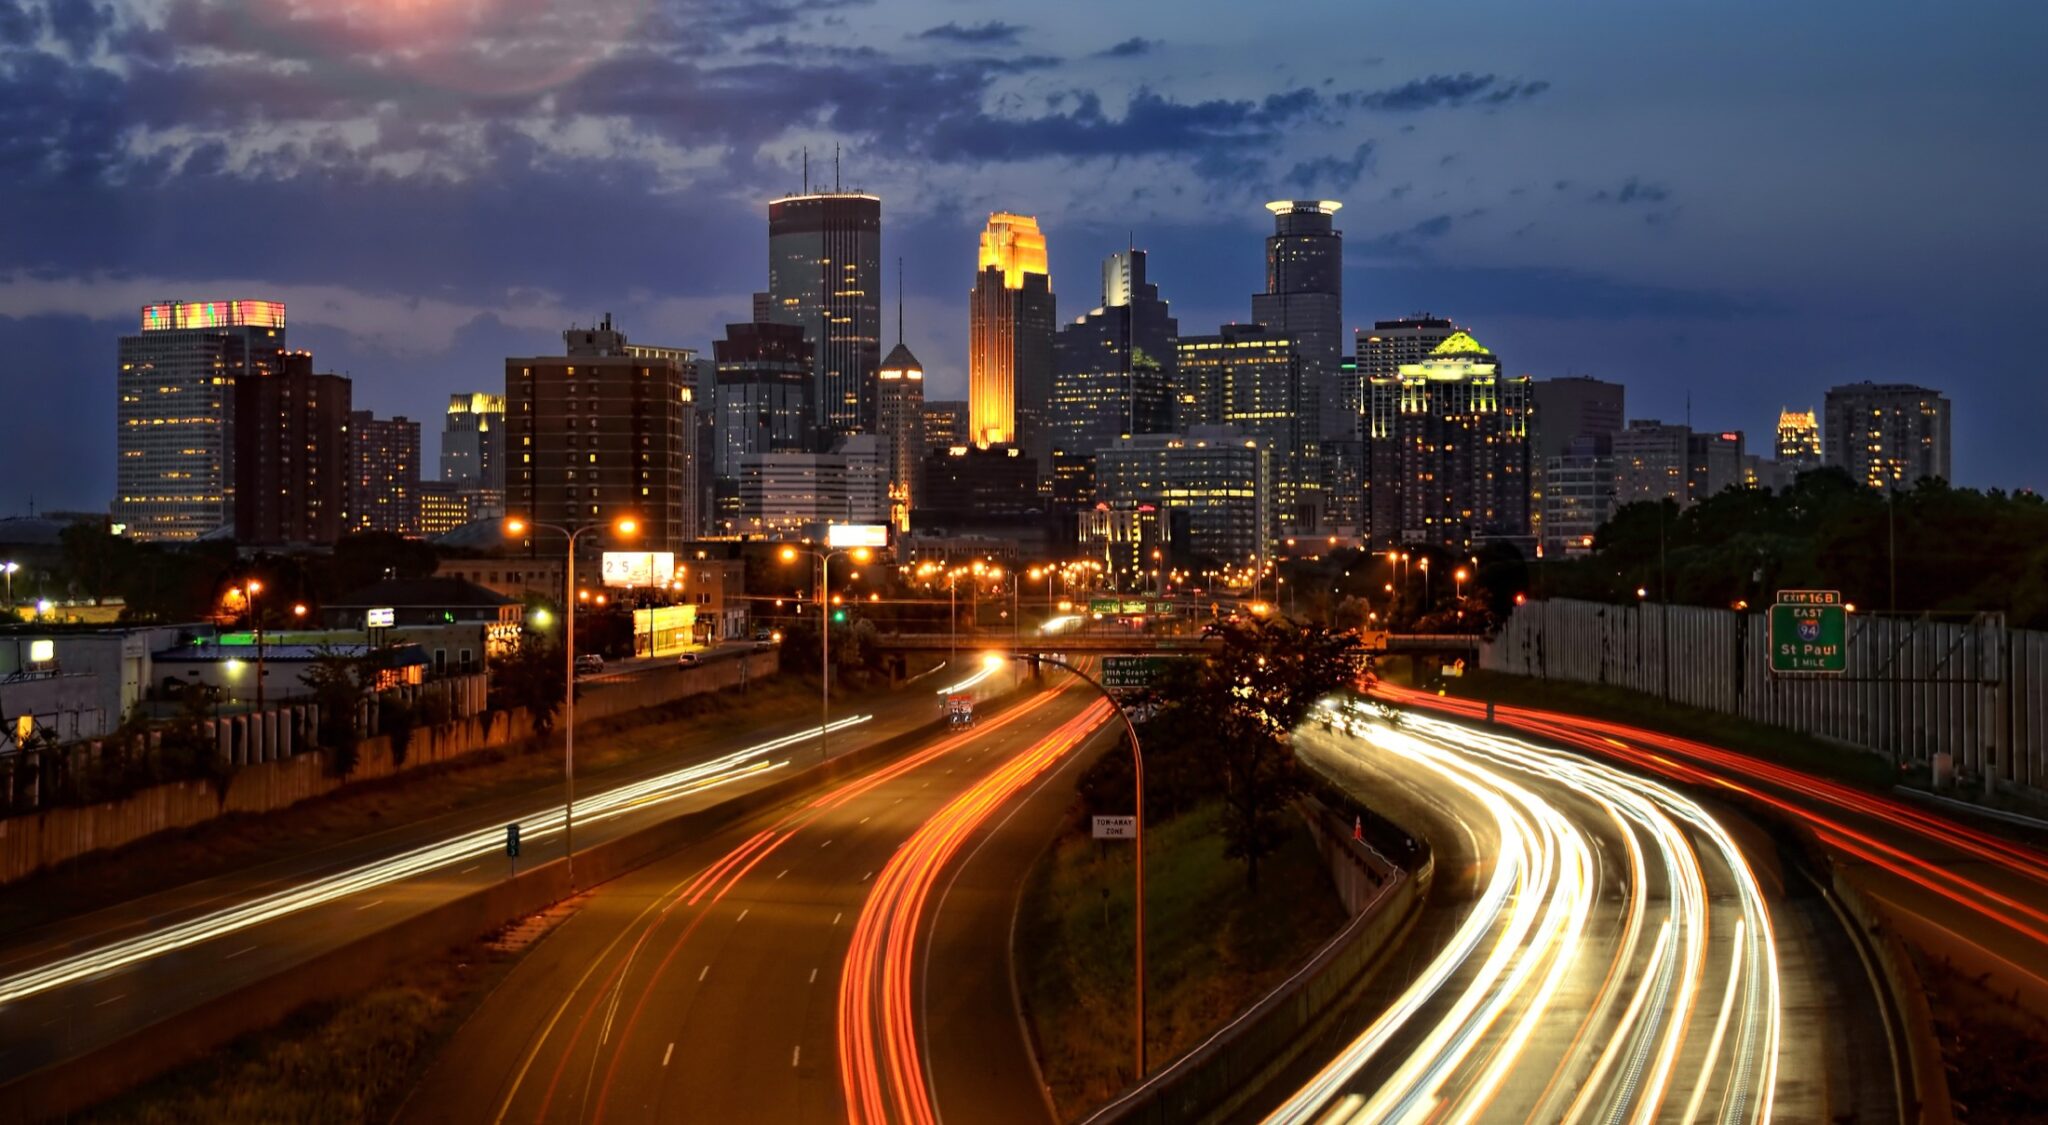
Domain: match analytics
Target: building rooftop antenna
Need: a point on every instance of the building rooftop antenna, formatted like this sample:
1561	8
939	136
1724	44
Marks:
899	299
807	169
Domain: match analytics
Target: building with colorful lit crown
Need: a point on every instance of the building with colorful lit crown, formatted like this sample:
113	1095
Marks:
1799	440
1447	450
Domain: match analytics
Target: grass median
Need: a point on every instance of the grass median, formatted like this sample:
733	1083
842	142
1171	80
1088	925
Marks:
1213	946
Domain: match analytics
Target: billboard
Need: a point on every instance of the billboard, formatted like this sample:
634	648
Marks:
382	618
857	535
639	568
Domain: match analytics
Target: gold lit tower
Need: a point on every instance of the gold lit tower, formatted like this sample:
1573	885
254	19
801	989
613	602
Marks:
1009	377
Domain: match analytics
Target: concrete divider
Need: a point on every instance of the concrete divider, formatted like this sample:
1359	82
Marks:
1212	1081
350	969
1934	1105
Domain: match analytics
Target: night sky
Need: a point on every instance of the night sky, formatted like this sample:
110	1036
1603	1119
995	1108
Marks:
1739	202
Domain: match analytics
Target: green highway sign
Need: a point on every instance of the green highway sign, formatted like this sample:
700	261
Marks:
1131	673
1809	633
1104	606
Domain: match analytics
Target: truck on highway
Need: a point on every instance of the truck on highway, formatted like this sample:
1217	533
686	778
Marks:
960	710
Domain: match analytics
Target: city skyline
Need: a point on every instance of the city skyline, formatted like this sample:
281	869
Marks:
1579	231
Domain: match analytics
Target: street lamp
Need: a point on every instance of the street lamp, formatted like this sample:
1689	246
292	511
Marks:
8	568
626	527
859	554
995	659
1460	575
255	588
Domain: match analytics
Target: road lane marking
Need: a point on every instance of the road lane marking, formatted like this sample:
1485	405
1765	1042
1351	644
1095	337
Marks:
826	844
837	917
665	1055
867	876
470	868
368	905
743	914
814	975
238	953
865	819
796	1053
110	1000
705	973
785	871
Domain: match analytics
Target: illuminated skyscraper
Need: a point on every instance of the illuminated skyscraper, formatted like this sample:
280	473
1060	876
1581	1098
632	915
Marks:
174	470
1250	376
1216	478
1798	440
1888	434
899	413
1304	301
1447	450
825	276
945	423
384	473
473	451
1113	368
1009	374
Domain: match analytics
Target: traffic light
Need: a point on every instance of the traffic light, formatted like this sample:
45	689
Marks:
838	617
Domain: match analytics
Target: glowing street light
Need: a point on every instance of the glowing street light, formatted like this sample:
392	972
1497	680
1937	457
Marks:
859	555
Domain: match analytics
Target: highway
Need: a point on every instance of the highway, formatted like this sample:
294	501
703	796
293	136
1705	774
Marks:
786	968
78	984
1598	947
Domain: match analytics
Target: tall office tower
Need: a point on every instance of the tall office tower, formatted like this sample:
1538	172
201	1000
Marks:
1652	461
1888	434
899	417
1713	462
789	493
384	473
1578	494
1343	479
1252	377
1383	348
973	484
825	276
473	451
1304	301
1220	476
696	405
1448	450
174	441
1113	368
1798	440
595	435
945	423
867	461
765	400
291	452
1009	369
444	506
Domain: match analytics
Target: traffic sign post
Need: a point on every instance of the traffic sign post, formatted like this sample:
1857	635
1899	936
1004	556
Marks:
512	846
1115	828
1809	633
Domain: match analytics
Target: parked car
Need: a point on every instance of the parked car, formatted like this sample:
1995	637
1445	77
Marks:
689	660
589	664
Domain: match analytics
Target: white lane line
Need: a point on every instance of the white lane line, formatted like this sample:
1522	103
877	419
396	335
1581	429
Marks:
867	876
743	914
837	917
368	905
666	1055
864	819
470	868
796	1053
705	973
814	976
785	871
238	953
826	844
110	1000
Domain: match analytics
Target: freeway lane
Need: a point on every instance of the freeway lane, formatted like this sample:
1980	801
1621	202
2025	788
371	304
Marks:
703	986
1973	896
88	981
1601	948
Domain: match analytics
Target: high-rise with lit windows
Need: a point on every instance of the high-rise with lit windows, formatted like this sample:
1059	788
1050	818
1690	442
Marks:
1887	434
899	418
1799	440
1304	301
1010	339
174	473
825	276
597	434
1252	377
473	451
1113	368
384	473
292	452
1447	450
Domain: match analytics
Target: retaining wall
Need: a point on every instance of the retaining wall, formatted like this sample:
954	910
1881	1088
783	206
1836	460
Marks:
34	841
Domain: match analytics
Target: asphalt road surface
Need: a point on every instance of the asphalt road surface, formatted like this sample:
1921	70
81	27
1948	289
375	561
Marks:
786	969
74	985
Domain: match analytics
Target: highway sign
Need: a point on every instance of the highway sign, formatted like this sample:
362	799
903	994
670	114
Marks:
1809	633
1104	606
512	841
1116	828
1131	673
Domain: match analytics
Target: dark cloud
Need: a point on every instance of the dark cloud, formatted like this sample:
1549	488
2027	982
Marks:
1334	172
1633	190
1439	90
1407	242
1130	48
993	32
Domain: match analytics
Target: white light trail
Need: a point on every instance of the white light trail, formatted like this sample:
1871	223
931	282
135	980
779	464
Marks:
749	762
1532	921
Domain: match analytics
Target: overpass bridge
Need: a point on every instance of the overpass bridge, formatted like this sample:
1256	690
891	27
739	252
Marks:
1082	642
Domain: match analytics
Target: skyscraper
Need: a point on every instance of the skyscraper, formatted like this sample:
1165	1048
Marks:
597	434
825	276
291	452
1113	368
1887	434
899	417
1383	348
473	451
1448	450
1009	373
1218	475
1567	409
1799	440
1652	461
1304	301
945	423
174	469
1252	377
384	473
764	397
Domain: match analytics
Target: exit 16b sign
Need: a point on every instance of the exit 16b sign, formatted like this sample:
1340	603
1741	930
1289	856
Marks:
1809	632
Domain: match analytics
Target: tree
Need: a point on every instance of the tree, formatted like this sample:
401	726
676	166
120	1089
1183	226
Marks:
530	675
95	558
337	680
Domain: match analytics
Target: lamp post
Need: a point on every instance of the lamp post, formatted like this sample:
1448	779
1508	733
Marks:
1138	837
859	554
8	568
625	526
253	588
1460	575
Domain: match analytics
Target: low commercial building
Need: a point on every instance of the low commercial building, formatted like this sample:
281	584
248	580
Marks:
459	624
